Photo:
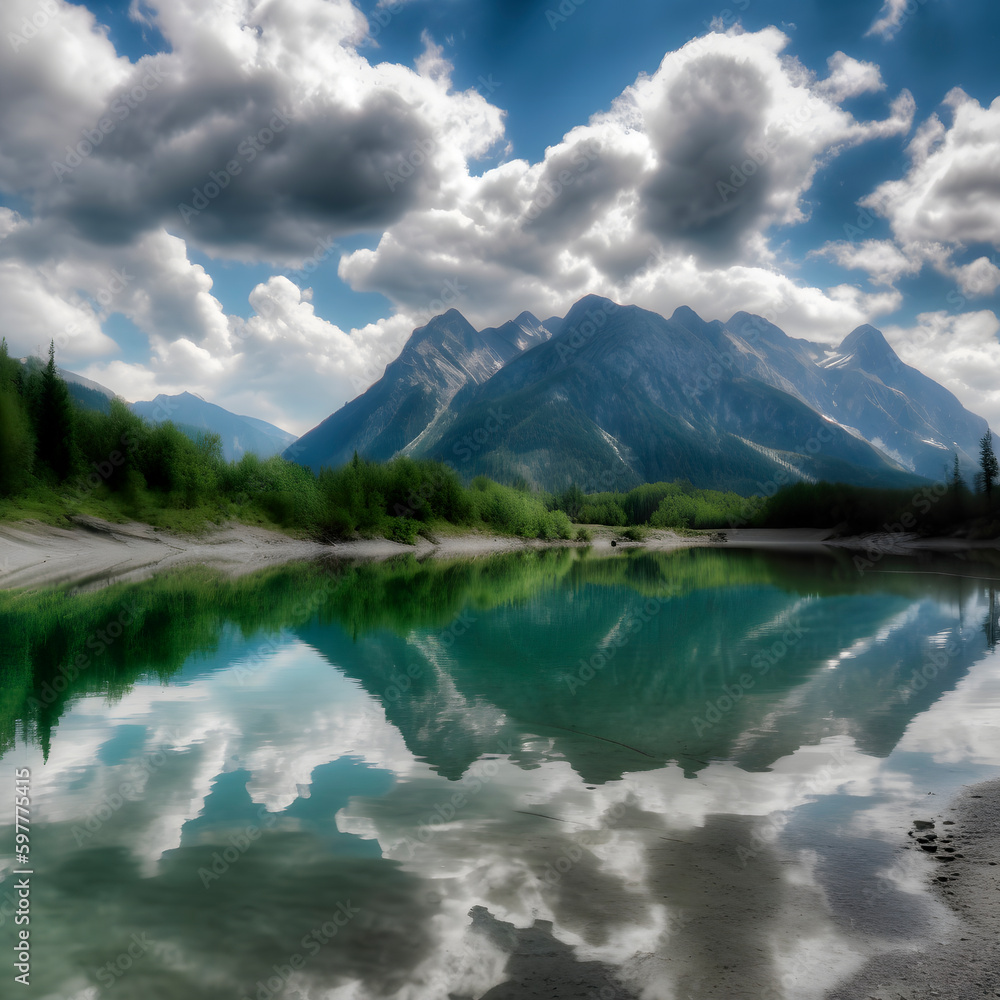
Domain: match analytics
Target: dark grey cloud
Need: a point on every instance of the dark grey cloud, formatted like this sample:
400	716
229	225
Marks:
709	125
576	186
235	164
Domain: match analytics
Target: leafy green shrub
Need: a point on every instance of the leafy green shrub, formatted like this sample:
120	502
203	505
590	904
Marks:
605	512
677	511
516	513
560	525
401	529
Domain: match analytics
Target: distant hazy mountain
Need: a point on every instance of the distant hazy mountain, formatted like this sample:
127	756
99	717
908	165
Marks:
611	396
191	413
401	411
239	434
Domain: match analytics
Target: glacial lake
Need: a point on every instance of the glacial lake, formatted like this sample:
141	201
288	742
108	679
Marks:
547	774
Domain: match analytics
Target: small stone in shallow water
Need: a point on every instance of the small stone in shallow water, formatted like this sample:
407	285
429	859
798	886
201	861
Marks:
923	824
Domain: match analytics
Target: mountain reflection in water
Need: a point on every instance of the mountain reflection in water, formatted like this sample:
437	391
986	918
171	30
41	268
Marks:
543	774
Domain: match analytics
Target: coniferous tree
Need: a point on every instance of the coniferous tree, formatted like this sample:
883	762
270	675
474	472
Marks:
957	482
957	490
11	379
572	500
54	423
989	469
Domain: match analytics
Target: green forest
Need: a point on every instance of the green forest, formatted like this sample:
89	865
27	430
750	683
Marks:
59	459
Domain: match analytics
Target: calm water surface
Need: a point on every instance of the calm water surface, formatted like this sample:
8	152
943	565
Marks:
555	775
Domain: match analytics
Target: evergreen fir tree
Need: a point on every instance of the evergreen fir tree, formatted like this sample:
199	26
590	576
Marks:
957	483
988	468
54	423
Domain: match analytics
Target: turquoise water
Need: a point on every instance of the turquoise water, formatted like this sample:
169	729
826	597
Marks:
552	775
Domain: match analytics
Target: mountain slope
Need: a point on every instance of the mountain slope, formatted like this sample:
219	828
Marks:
926	424
399	410
86	393
239	434
611	396
608	402
863	385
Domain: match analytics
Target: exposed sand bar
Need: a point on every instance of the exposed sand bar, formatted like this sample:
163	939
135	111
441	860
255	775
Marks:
95	552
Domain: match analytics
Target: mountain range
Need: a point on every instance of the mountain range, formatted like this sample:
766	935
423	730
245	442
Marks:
611	396
403	408
240	434
192	414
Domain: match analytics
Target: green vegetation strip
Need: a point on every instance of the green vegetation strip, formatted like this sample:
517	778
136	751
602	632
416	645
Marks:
58	459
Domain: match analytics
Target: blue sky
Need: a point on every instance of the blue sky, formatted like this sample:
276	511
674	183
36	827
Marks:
289	290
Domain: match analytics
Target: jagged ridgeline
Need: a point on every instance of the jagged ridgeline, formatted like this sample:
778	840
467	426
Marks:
612	396
377	621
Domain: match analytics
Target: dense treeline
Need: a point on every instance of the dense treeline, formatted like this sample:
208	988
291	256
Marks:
56	458
659	505
941	508
945	507
936	509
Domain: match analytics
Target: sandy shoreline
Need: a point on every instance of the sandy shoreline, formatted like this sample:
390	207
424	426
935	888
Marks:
94	553
963	959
